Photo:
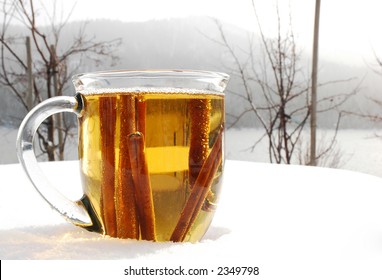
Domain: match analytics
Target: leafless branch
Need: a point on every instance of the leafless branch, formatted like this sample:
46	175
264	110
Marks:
282	101
49	60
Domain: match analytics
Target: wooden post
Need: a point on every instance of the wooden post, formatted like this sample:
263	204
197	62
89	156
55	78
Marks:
313	106
29	96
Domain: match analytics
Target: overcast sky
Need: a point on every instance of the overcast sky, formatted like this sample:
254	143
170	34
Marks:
349	30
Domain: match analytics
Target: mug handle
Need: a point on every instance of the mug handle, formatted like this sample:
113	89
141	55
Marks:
75	211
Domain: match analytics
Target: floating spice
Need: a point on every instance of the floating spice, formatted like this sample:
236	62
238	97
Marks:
127	215
142	186
200	110
199	191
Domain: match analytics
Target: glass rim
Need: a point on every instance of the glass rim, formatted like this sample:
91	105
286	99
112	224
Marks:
152	74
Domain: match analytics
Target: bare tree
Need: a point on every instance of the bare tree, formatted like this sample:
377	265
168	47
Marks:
276	91
54	61
374	117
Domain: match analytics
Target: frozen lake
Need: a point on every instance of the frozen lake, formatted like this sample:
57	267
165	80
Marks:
358	150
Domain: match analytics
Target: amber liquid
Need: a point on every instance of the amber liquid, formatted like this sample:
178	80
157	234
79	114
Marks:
179	131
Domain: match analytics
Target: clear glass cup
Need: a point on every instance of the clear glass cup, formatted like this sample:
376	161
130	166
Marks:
150	151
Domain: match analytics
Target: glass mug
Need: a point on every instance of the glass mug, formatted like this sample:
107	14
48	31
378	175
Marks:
150	151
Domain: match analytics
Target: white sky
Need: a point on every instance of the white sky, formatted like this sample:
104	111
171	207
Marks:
349	30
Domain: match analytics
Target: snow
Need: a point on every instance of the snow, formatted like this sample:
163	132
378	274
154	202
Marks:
293	222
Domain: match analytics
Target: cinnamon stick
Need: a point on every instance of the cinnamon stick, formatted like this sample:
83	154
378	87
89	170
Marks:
127	215
199	191
200	110
140	114
142	186
107	115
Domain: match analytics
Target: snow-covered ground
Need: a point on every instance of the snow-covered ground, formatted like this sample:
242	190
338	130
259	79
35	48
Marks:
291	221
357	150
